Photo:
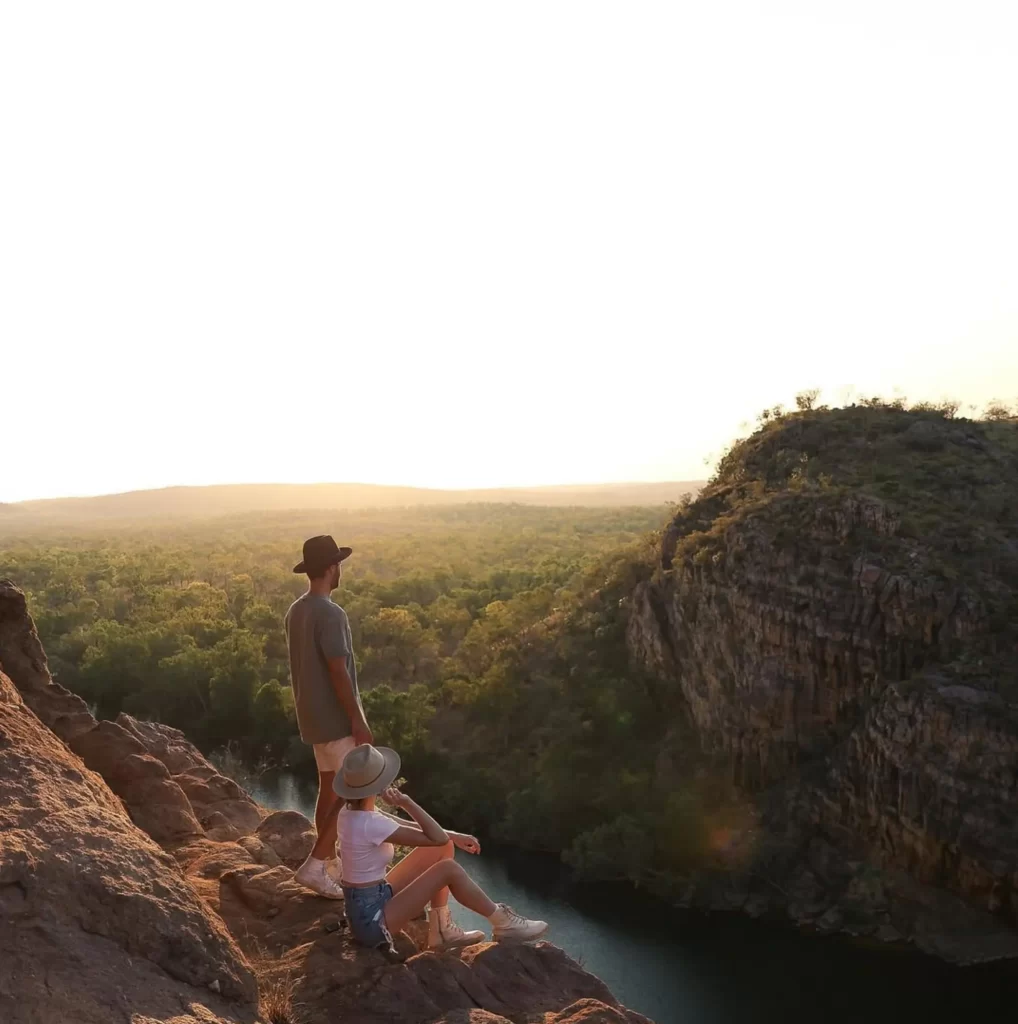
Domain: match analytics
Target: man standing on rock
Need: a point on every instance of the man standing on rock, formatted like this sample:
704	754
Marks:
329	711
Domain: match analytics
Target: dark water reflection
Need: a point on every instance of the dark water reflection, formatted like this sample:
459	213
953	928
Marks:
678	966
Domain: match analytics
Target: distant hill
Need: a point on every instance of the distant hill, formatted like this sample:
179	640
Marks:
230	499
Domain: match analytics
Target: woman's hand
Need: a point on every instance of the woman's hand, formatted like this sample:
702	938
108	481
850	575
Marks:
394	798
468	844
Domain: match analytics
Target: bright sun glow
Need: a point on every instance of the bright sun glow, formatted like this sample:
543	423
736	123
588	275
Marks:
471	244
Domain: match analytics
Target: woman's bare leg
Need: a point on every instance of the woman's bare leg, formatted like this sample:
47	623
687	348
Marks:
415	863
416	895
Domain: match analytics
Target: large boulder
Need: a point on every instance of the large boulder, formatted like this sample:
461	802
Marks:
214	798
169	745
290	835
157	804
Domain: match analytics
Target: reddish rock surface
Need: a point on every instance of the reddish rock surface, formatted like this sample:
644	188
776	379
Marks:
138	884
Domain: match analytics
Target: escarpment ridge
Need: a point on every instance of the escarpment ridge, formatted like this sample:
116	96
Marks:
837	616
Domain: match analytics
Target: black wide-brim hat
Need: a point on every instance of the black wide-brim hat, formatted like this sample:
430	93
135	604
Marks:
320	553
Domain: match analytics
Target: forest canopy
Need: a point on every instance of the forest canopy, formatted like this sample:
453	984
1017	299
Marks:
183	623
489	641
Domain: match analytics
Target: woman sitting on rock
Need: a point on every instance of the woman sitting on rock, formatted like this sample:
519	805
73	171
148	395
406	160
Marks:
380	902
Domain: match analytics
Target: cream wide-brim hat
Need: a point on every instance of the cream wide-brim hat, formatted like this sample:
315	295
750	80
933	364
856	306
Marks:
366	771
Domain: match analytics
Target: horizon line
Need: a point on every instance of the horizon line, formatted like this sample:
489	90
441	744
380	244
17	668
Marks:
585	485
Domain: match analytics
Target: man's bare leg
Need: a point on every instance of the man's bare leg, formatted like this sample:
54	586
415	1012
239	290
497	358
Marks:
326	817
312	873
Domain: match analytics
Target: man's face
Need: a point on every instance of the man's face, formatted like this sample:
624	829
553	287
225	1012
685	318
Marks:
335	575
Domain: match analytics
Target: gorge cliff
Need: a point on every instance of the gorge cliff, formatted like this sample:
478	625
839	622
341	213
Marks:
836	619
138	884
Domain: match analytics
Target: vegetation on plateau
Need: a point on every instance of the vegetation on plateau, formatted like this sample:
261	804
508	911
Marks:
941	497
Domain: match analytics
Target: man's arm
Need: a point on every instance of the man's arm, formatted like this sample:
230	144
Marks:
343	685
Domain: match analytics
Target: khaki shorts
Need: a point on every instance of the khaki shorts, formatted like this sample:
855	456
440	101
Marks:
329	756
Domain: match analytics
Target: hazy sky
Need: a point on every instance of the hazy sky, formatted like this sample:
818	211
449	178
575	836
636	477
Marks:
471	244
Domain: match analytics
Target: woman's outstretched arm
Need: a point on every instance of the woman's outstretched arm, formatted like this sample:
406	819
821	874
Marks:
462	840
430	833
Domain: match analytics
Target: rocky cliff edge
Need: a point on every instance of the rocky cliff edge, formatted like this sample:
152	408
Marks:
139	884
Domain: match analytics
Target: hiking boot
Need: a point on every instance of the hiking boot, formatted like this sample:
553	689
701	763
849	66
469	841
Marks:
445	933
508	926
312	874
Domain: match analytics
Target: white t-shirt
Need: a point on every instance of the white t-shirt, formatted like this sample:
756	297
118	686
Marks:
363	848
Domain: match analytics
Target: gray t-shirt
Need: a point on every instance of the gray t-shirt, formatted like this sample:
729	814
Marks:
316	629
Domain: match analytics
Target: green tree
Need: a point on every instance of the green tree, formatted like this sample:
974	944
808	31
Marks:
398	650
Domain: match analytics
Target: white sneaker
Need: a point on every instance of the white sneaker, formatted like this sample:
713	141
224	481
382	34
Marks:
445	933
313	875
334	869
508	926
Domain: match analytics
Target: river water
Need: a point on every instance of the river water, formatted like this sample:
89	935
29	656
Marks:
682	967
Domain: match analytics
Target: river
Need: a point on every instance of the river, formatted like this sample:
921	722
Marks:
683	967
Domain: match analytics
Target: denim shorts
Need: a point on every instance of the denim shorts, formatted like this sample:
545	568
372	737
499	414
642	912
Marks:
364	913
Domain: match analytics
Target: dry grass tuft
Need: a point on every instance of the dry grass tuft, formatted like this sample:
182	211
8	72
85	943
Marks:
275	999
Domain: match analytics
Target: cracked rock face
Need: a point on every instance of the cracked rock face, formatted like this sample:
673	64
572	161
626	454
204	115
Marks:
849	655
